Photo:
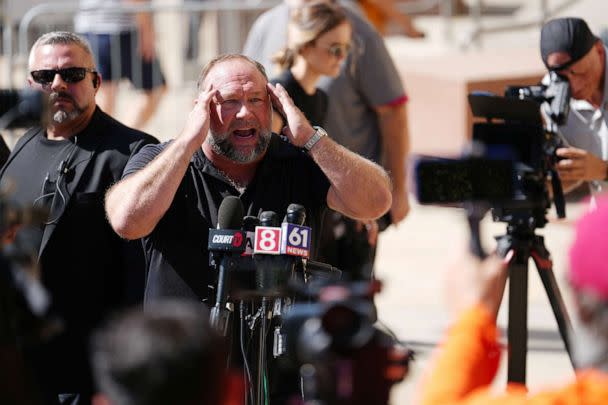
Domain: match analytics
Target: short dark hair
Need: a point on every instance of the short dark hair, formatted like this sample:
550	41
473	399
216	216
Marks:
166	355
61	38
223	58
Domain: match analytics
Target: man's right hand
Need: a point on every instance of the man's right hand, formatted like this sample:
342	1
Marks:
578	164
197	124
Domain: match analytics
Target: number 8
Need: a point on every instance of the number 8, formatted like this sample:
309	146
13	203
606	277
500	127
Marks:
267	240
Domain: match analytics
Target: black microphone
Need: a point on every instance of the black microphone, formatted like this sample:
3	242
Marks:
225	245
296	214
246	268
249	224
322	271
295	237
267	248
269	218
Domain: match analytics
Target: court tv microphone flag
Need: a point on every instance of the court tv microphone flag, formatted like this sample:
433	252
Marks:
225	245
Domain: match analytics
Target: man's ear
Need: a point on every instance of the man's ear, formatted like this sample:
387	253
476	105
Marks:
599	45
97	81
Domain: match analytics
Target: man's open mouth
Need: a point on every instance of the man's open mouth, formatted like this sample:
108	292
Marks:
244	133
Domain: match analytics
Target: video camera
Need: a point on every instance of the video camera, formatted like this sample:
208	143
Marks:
341	357
512	157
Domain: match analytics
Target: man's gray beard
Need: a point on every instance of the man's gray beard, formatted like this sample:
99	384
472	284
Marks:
589	348
221	145
61	116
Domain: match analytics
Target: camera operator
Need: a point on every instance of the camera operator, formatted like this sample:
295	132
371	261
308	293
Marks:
469	359
570	49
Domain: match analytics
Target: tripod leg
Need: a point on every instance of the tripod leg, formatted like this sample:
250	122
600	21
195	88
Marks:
517	330
545	270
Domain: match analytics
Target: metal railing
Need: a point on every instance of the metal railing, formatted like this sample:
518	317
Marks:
480	30
229	31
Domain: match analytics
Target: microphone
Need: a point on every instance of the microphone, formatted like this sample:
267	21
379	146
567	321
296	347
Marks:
268	234
249	224
296	241
226	243
267	248
322	271
245	275
228	236
295	237
296	214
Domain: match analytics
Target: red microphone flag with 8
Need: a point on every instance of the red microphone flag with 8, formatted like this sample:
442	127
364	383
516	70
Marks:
267	240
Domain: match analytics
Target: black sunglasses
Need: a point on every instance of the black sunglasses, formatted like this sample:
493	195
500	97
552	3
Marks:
68	75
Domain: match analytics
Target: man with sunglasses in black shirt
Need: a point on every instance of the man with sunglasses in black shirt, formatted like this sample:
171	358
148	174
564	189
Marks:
66	166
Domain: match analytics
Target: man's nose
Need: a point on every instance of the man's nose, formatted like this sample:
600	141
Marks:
58	82
244	111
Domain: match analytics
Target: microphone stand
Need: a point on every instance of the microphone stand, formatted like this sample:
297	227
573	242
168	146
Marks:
220	315
261	370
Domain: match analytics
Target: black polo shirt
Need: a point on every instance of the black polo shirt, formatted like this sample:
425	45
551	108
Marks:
176	251
313	106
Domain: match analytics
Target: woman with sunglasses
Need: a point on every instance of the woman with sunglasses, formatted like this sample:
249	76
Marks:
319	38
318	41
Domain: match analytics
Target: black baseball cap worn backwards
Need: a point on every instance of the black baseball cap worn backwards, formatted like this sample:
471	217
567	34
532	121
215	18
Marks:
569	35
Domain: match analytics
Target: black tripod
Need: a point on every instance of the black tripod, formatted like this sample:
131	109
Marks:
521	238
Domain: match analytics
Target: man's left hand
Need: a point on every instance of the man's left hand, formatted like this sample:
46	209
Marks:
470	281
400	207
578	164
298	130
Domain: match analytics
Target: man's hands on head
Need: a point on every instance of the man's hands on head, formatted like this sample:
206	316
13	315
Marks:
197	124
298	130
578	164
360	189
471	282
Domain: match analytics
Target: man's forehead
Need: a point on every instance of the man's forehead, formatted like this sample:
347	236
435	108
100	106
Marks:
238	87
234	75
62	53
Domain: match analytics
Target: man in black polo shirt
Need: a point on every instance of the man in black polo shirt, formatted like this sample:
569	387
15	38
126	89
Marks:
170	193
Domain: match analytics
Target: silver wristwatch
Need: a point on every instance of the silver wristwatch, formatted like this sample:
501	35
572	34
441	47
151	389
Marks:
316	137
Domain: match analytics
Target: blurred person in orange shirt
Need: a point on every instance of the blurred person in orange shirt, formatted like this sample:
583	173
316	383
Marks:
468	360
382	12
